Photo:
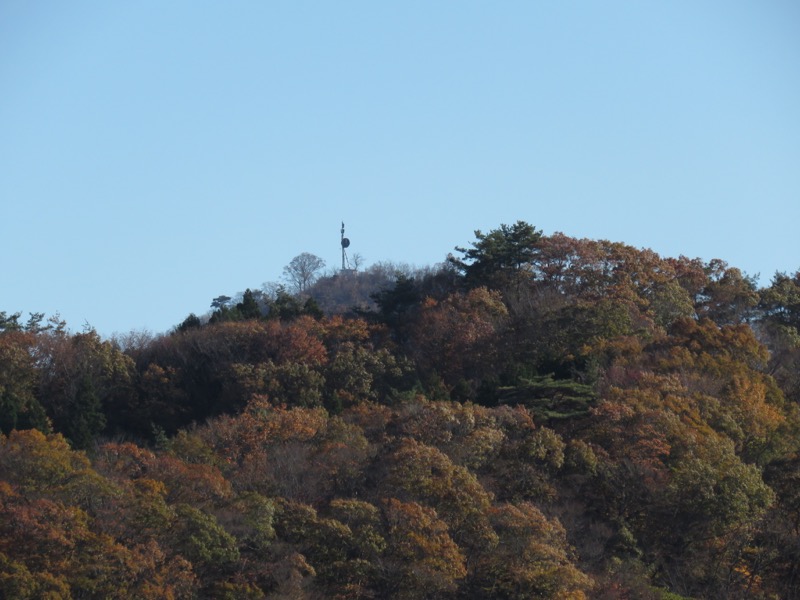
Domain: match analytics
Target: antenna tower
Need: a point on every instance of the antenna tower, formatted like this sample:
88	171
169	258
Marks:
345	263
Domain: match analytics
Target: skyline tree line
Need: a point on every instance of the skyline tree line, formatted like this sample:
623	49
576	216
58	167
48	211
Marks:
537	416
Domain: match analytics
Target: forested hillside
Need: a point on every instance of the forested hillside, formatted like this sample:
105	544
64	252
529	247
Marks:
536	417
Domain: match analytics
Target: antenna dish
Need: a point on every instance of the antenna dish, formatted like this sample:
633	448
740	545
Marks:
345	242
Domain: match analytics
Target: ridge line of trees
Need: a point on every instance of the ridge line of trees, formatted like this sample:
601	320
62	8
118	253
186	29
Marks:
538	416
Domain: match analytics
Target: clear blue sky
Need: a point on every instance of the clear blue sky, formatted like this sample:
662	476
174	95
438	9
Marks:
154	155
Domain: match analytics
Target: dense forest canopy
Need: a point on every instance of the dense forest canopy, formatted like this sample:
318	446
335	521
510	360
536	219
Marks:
536	417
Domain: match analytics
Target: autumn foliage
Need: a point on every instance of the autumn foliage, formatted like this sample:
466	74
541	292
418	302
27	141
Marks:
542	417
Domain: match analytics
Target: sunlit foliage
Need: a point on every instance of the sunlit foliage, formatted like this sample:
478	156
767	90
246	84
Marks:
538	417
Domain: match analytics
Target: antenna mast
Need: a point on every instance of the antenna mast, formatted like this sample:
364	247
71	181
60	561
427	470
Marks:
345	244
